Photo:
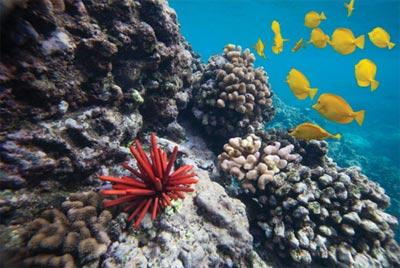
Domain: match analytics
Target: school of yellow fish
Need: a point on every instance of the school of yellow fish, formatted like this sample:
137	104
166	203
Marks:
330	106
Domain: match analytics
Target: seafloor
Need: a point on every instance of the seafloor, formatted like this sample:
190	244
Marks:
79	80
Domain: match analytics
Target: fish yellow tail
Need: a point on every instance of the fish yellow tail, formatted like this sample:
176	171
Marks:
359	116
337	136
374	85
391	45
322	16
275	27
360	41
312	92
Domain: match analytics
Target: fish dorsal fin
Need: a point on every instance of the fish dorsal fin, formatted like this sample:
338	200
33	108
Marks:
318	30
299	77
338	98
309	124
294	71
313	126
371	63
348	31
386	34
344	30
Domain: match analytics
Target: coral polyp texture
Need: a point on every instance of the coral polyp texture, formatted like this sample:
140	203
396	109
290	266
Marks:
232	98
151	187
255	168
311	212
75	236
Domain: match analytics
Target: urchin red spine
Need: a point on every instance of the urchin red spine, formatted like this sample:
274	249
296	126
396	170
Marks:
152	186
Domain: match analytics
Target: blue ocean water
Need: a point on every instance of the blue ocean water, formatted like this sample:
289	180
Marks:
210	24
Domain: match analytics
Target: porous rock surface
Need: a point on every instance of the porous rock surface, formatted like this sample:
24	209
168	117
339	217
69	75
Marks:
312	212
113	64
68	149
232	98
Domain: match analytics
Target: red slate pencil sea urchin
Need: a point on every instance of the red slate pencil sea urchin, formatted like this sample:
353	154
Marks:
152	186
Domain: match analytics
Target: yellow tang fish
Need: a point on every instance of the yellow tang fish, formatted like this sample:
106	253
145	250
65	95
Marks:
380	38
299	44
365	71
350	7
308	131
300	85
313	19
278	39
335	108
344	42
318	38
259	48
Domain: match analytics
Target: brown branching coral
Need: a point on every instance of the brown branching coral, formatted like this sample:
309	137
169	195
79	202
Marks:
232	98
75	236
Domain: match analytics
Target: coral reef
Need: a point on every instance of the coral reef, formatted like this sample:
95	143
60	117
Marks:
232	98
75	236
312	211
61	59
153	185
80	79
353	150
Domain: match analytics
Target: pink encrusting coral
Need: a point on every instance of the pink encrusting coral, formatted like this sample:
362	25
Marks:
151	187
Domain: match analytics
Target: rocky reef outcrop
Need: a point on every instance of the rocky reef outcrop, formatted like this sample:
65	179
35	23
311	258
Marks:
206	229
66	150
79	78
313	212
232	98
